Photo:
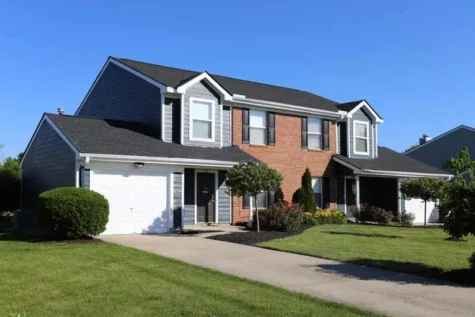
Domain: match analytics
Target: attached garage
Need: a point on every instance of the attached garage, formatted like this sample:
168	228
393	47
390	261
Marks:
139	198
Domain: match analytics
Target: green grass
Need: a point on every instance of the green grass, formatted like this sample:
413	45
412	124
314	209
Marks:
411	250
102	279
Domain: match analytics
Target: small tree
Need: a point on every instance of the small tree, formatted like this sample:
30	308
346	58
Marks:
427	189
252	179
459	196
308	198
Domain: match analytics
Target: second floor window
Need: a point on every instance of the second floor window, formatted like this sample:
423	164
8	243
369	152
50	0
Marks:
361	137
201	119
258	127
314	133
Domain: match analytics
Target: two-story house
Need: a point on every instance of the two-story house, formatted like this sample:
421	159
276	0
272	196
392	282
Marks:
157	142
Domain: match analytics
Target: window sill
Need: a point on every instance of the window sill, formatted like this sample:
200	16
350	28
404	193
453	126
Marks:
258	145
315	150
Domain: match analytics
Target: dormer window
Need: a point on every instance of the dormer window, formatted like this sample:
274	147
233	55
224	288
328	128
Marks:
202	119
361	137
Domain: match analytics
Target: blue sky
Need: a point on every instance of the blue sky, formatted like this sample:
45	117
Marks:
414	61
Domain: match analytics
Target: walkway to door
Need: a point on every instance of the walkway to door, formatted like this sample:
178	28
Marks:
387	292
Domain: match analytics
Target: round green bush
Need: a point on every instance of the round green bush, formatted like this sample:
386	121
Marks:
72	213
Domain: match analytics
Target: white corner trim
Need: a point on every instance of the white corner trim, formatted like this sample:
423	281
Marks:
55	128
355	122
439	137
348	139
337	137
158	160
182	128
110	60
216	200
221	125
373	137
162	102
213	120
376	141
369	108
171	202
207	77
183	199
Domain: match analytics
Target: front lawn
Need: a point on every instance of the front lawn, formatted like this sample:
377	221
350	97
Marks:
101	279
412	250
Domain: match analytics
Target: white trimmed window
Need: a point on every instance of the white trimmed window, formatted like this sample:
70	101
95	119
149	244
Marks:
258	127
201	119
314	133
317	190
361	137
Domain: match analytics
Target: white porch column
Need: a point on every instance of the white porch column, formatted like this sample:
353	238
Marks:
358	192
399	196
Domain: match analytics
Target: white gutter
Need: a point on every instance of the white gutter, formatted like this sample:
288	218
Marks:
402	174
286	107
157	160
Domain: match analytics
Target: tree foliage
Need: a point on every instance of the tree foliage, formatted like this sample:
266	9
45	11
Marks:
251	179
411	147
10	169
427	189
459	196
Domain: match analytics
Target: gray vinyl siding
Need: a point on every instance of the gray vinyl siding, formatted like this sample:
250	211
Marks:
49	163
360	116
121	95
177	199
436	152
224	200
199	90
227	127
168	123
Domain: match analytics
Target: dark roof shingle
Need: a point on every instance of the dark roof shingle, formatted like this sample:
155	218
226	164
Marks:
102	136
174	77
389	160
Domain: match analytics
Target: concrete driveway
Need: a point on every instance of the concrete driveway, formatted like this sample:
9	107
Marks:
383	291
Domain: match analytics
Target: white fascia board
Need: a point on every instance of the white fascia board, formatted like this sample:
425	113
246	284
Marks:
204	76
55	128
159	160
286	108
370	110
370	172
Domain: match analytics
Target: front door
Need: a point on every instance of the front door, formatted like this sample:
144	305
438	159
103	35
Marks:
350	195
205	200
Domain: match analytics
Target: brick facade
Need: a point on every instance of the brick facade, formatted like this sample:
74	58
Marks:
287	157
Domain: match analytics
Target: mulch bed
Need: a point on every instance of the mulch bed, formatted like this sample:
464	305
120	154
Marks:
253	237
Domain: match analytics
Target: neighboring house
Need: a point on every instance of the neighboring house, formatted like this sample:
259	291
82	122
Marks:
435	151
157	141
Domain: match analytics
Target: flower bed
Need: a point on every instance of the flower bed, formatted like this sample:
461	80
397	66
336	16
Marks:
281	216
325	217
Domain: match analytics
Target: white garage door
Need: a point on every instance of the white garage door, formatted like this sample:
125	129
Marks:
416	206
137	200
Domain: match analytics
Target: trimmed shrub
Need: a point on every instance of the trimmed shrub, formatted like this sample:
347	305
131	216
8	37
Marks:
407	219
308	198
471	260
325	217
367	213
72	213
297	196
281	216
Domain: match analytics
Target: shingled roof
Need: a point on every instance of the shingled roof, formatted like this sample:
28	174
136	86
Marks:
114	137
389	160
173	77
